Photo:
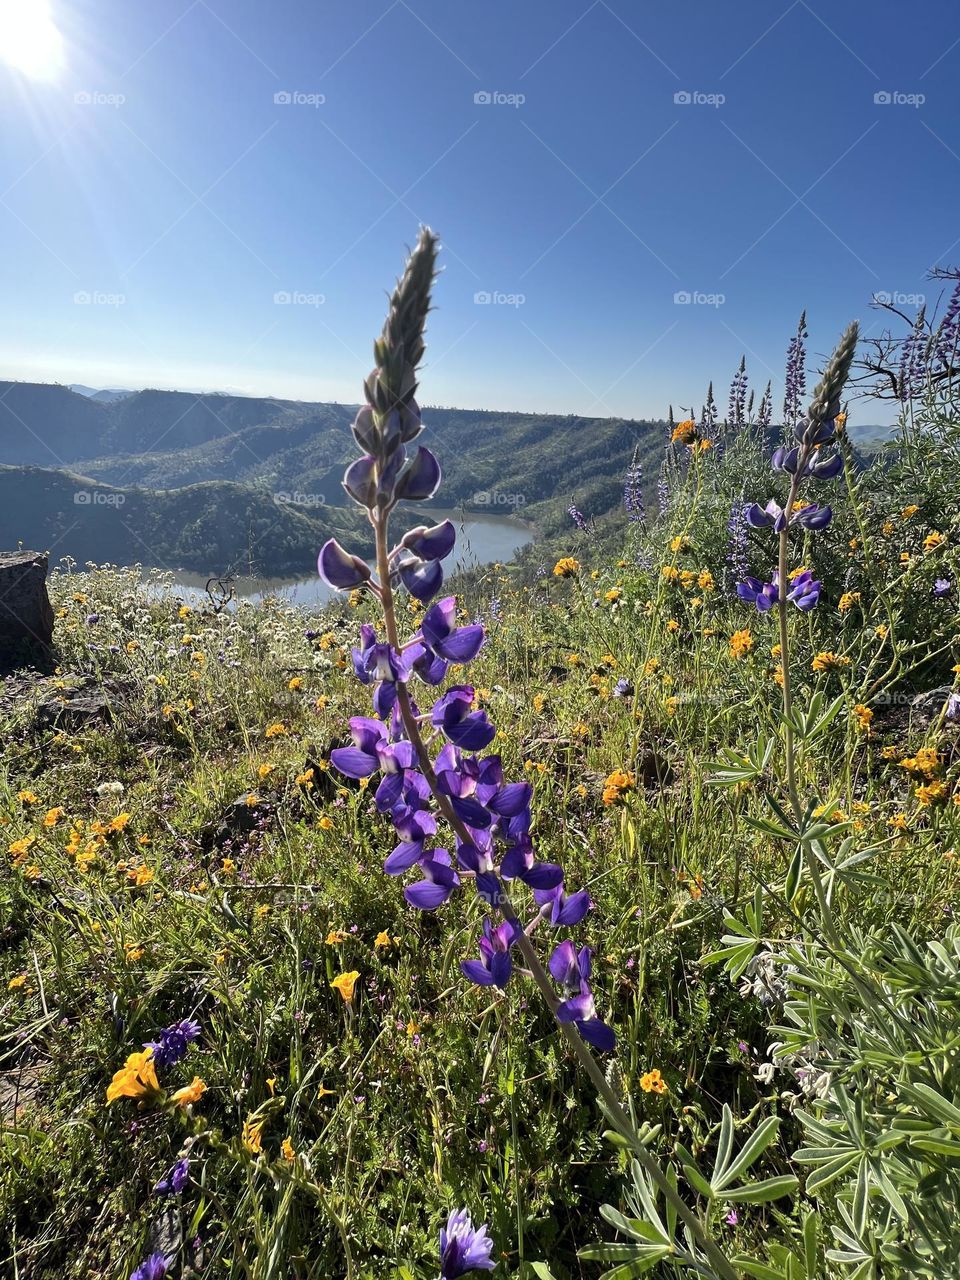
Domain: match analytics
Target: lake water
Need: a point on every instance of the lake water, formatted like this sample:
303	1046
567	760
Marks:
480	540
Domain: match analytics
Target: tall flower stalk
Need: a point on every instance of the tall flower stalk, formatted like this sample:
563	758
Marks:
489	818
809	458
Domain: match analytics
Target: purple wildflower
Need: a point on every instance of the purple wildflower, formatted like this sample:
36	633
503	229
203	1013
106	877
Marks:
173	1043
736	415
173	1182
633	490
577	516
663	491
948	331
942	587
153	1268
464	1247
796	375
765	412
737	549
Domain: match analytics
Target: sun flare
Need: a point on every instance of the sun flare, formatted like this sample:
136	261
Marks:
29	39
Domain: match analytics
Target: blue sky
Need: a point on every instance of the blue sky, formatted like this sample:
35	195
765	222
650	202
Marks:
159	201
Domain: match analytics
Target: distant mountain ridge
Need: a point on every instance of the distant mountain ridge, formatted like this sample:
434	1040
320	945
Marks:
509	463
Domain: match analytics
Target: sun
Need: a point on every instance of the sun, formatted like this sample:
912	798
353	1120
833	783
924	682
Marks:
29	39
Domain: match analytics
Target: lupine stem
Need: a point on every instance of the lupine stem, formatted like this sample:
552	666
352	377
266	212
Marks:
570	1035
789	746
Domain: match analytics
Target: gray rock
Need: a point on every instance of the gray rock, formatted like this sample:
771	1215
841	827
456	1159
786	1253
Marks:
26	615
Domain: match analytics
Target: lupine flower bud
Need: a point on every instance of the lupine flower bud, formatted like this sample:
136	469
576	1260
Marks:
365	429
829	468
434	543
825	404
421	479
360	481
339	569
422	578
813	517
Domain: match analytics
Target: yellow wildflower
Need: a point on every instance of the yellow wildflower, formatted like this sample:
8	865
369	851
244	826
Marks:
653	1082
616	784
827	661
190	1093
566	567
345	984
864	716
741	642
252	1136
137	1078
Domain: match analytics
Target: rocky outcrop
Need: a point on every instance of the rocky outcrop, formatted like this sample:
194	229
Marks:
26	615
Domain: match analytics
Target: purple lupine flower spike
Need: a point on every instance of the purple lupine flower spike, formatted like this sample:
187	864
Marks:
444	777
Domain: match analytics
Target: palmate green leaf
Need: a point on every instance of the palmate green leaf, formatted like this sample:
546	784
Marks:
698	1181
735	958
768	828
633	1227
540	1270
830	1171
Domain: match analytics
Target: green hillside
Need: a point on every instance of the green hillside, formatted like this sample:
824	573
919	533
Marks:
215	526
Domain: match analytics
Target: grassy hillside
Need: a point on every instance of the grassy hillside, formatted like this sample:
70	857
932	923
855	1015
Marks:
522	463
215	527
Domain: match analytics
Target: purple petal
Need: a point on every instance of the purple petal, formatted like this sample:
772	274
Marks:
353	762
422	578
477	972
403	857
598	1034
463	645
434	543
425	895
